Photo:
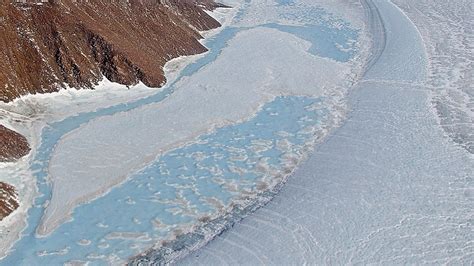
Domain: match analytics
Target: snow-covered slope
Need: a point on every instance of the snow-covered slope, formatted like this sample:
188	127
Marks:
447	28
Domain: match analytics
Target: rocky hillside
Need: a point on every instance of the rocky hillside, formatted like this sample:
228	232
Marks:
46	46
12	145
8	200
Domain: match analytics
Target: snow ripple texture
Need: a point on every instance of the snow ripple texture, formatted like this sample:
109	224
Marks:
447	28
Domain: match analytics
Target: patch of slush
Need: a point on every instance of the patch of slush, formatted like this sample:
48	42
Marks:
336	13
185	187
103	152
222	93
337	44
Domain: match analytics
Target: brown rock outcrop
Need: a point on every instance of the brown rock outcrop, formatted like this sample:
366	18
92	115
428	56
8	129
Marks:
48	46
13	146
8	200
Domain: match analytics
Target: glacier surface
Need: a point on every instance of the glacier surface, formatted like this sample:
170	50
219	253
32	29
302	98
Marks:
388	186
168	173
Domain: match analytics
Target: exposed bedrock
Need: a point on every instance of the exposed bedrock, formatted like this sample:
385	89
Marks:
67	43
12	145
8	200
76	43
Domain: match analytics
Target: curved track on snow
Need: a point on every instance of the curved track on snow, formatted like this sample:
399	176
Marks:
376	29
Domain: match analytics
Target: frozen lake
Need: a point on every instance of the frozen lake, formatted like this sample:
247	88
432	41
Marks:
121	180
